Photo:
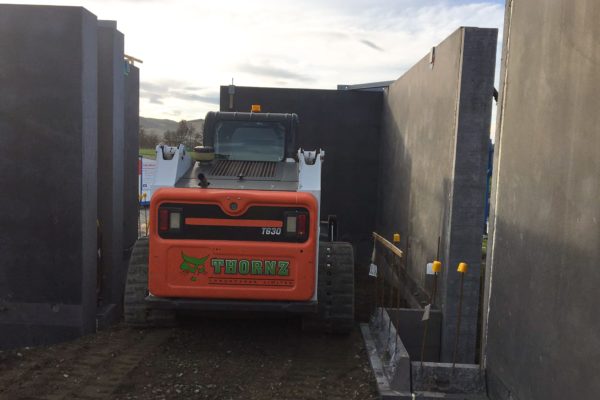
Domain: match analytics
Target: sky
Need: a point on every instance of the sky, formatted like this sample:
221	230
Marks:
190	48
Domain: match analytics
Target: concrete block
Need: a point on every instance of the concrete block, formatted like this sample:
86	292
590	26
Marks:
48	125
111	144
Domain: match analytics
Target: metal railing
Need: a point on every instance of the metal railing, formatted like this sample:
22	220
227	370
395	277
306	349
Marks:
386	266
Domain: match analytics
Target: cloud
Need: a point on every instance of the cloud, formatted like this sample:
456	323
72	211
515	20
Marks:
154	99
370	44
212	97
273	72
269	44
152	87
174	113
161	91
319	34
190	48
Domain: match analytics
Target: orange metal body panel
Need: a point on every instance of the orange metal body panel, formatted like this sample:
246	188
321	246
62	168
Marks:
291	267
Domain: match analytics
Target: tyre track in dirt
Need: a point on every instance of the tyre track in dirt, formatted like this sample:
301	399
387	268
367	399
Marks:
87	369
202	358
254	359
330	369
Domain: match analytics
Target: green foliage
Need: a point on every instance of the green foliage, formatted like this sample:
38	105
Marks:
148	153
148	140
185	134
153	130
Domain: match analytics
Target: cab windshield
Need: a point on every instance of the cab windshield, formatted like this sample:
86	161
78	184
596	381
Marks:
250	141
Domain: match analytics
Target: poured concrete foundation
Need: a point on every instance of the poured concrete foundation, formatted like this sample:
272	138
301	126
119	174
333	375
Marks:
448	378
399	378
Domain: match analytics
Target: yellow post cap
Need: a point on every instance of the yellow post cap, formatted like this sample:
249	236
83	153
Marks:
462	267
255	108
396	238
436	266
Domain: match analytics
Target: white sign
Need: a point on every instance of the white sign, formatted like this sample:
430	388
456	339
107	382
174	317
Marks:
147	169
430	269
426	313
373	270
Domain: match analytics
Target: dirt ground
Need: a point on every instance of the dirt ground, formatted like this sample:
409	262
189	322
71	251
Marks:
202	358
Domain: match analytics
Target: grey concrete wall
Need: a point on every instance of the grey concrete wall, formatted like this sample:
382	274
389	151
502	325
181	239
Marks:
48	92
410	327
543	331
111	125
130	160
346	125
434	148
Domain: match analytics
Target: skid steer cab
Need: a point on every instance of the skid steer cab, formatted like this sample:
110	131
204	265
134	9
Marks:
235	225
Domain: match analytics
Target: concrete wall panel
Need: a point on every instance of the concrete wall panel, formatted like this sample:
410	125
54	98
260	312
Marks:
111	125
543	340
48	115
130	161
434	149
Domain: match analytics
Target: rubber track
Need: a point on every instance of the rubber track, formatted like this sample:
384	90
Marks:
335	291
137	313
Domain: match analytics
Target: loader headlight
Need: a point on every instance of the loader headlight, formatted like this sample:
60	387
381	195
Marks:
174	220
169	219
296	224
290	224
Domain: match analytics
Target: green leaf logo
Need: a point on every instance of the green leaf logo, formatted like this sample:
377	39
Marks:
193	265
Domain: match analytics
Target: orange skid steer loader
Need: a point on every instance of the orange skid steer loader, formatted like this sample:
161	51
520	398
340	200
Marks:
235	225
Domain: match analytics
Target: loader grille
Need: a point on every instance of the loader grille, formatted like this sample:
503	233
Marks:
256	169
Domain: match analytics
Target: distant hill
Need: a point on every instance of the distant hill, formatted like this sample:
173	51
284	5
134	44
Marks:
160	126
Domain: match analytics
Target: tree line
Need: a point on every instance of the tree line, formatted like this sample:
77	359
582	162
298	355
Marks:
184	134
